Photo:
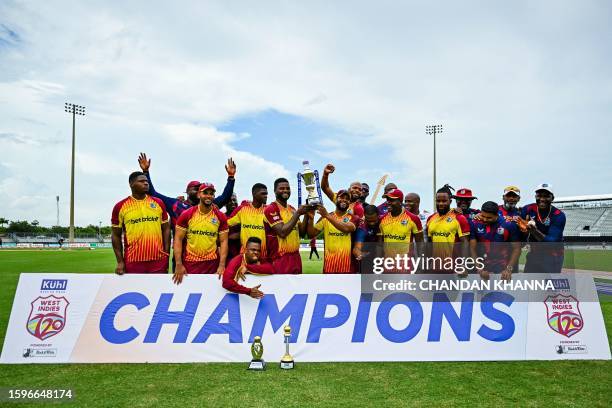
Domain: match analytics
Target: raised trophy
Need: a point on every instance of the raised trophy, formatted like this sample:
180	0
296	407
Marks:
257	363
286	362
312	185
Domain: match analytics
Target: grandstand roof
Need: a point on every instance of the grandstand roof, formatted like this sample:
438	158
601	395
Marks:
596	197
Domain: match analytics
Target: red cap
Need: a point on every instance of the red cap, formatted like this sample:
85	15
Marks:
465	193
206	186
394	194
343	191
193	184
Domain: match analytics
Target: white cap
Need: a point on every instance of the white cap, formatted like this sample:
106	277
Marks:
545	186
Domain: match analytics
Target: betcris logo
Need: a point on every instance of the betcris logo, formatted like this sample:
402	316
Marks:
54	284
330	311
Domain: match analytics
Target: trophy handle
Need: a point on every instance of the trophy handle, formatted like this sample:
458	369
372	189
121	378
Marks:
299	188
316	173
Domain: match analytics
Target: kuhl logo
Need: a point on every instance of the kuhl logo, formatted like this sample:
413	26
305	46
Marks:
563	314
54	284
47	316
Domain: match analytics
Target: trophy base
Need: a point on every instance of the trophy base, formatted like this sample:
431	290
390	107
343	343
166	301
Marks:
257	365
287	365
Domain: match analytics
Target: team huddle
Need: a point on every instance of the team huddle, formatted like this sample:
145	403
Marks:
260	238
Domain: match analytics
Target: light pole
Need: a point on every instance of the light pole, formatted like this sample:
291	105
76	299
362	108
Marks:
57	207
434	130
74	110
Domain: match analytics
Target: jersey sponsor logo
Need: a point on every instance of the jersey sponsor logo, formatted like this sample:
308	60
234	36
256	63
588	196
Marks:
563	314
444	234
480	229
143	219
47	316
252	226
200	232
337	234
395	236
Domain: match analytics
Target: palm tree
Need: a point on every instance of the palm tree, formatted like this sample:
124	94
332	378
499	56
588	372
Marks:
3	221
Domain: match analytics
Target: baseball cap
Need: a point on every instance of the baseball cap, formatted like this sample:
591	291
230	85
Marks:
193	183
394	194
546	187
512	189
206	186
343	191
465	193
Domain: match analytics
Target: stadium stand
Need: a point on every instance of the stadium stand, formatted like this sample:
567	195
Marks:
589	218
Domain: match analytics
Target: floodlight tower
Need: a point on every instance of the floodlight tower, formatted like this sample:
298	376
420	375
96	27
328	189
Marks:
434	130
74	110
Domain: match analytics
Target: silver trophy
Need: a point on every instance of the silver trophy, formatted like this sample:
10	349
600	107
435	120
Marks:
312	185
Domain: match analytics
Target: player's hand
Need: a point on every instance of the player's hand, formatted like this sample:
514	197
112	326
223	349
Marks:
477	217
144	162
120	269
357	254
322	211
506	274
179	272
230	167
256	293
304	209
484	274
329	169
458	210
220	271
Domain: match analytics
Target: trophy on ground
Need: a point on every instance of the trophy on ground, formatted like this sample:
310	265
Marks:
311	182
257	363
286	362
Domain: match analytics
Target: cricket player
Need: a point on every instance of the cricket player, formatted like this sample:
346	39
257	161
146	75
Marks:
509	209
250	217
143	221
355	191
248	262
283	230
337	227
463	199
497	240
195	240
384	208
399	227
446	227
412	202
544	224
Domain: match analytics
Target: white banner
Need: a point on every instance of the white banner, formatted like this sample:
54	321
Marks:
95	318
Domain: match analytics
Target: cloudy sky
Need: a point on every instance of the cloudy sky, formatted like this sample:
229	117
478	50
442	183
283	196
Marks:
523	90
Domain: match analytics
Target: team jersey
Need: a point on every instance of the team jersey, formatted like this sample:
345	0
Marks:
367	233
398	231
383	209
277	246
237	267
141	222
551	226
509	215
251	221
338	244
470	213
176	207
491	238
444	230
201	233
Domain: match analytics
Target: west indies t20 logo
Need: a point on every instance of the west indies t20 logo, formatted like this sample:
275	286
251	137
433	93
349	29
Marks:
563	314
47	316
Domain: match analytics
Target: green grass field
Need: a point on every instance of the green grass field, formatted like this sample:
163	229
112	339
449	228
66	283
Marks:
524	383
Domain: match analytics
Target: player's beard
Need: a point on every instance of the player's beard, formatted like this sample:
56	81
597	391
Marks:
443	212
509	206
